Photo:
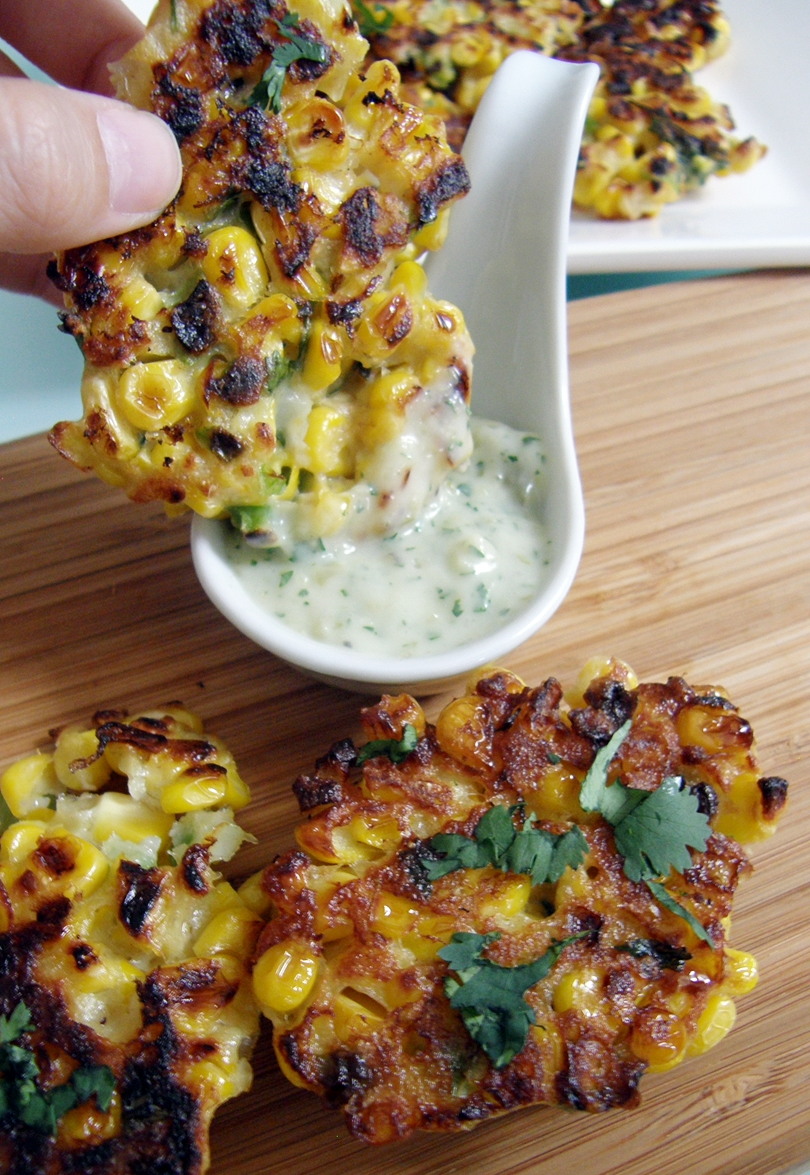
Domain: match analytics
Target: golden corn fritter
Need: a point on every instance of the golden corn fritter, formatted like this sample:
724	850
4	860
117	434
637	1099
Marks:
127	1009
528	902
651	135
270	340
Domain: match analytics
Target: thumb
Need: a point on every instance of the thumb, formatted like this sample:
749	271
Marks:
76	167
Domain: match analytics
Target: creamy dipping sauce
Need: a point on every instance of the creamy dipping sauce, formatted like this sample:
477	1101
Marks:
473	561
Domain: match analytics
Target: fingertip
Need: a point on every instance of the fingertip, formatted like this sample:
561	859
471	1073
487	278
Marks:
143	161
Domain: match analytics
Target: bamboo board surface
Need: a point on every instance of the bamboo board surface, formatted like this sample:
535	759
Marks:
692	416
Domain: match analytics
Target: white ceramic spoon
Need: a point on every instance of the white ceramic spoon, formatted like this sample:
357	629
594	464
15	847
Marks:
504	266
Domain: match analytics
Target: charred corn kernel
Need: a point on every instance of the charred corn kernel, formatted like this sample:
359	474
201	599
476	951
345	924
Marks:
578	991
411	277
105	973
251	893
89	1125
712	729
660	1039
462	730
380	76
740	815
316	135
329	440
285	975
141	299
28	784
394	915
433	235
19	841
233	932
72	746
741	972
120	815
89	870
192	794
716	1021
600	667
322	362
234	264
282	315
509	899
156	395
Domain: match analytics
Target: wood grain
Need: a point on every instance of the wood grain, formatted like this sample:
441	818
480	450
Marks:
692	416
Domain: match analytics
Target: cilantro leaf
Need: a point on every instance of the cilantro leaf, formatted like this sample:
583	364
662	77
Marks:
297	47
14	1025
94	1079
653	830
655	836
666	899
667	956
19	1072
395	749
543	856
490	997
372	20
593	793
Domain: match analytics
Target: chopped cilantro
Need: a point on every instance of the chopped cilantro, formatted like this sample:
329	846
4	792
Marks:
297	47
490	997
395	749
372	20
484	598
457	608
20	1094
667	956
543	856
285	578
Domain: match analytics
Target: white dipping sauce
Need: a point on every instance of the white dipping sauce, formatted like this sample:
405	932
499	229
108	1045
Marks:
473	560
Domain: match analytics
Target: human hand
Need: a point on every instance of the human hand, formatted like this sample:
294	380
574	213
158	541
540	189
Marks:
75	165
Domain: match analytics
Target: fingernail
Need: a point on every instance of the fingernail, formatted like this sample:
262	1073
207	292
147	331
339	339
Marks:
143	159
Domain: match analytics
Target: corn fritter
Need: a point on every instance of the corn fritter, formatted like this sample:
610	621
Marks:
269	345
504	909
652	134
122	951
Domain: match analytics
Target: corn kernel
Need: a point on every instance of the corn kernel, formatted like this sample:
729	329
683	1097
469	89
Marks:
215	1085
393	915
237	792
234	264
716	1021
233	932
433	235
155	395
740	815
329	440
28	784
72	744
741	972
120	815
509	899
557	795
19	841
190	795
251	893
380	834
660	1039
600	667
316	135
141	298
355	1014
89	870
462	730
411	277
322	361
578	991
285	975
89	1125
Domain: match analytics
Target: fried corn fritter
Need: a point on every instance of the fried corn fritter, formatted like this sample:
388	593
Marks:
528	902
651	135
269	346
127	1014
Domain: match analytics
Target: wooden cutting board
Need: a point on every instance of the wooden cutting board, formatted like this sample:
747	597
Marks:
692	416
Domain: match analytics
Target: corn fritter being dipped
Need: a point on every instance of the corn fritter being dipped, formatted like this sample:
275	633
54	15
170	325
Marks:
126	1010
652	134
528	902
268	346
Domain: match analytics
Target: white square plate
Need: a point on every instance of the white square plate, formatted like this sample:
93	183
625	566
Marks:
760	218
